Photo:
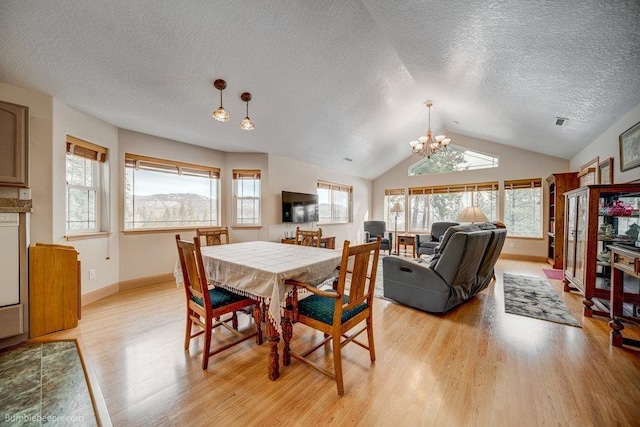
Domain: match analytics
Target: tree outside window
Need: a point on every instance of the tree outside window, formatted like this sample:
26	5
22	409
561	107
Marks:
391	197
334	202
523	207
84	186
444	203
163	193
246	194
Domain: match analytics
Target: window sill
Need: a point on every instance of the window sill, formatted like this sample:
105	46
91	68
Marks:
525	237
246	227
333	223
84	236
158	230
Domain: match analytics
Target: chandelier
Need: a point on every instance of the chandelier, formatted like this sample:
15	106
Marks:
427	146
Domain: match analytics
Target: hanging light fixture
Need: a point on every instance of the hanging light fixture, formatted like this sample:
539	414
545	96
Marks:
220	115
246	123
427	145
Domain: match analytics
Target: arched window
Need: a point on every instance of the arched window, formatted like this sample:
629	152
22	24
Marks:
454	159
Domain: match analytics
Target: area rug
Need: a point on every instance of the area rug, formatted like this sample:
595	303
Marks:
534	297
553	274
379	289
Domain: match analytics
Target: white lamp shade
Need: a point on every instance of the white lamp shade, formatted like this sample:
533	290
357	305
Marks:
472	214
397	208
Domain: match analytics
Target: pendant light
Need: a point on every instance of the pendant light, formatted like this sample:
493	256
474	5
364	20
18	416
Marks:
220	114
246	123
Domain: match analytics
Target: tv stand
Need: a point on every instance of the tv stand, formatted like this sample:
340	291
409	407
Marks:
325	242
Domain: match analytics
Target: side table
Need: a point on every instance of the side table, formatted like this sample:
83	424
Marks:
406	240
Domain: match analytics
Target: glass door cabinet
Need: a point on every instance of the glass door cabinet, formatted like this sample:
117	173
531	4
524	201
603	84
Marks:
596	216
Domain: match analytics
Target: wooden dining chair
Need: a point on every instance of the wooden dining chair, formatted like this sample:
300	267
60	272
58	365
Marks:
308	237
214	235
336	312
206	306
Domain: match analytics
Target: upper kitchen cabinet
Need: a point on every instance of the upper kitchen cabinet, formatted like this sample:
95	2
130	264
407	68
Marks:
14	145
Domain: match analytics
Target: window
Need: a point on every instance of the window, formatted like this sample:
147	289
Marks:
335	202
84	187
164	193
523	207
444	203
391	197
454	159
246	197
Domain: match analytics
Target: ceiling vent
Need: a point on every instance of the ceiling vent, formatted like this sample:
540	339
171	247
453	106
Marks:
348	159
560	121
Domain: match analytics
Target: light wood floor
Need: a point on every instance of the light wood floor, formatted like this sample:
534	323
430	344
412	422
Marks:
475	365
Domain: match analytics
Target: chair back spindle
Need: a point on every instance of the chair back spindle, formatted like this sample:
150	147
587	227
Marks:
214	236
308	237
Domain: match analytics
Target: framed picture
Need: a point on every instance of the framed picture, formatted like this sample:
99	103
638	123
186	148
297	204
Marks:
630	148
605	171
588	172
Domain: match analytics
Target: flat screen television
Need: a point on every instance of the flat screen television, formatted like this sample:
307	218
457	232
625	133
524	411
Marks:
299	207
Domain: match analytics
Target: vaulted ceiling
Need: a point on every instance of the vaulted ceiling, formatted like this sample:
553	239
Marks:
334	79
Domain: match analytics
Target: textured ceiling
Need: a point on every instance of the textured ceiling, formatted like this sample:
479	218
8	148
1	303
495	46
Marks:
334	78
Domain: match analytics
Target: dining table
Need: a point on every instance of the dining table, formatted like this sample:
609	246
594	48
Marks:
265	271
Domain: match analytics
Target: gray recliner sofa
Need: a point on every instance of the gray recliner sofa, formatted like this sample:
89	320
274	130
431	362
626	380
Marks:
462	266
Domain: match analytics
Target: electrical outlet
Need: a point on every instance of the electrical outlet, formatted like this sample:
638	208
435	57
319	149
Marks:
92	273
24	194
512	245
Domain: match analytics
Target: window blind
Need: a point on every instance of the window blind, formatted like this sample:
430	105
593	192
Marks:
457	188
88	150
169	166
246	174
336	187
394	192
523	183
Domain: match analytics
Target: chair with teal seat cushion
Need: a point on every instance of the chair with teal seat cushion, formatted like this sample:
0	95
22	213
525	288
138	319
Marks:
336	312
205	306
322	308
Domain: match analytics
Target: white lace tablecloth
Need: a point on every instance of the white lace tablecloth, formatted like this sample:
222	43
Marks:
259	269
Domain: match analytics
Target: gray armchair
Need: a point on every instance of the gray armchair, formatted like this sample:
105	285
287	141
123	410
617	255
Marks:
426	243
373	229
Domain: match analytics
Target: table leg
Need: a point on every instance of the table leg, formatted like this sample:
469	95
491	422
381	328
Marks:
617	284
615	338
257	319
273	337
287	334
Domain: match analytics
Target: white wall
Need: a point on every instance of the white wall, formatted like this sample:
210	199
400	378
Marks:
246	161
514	163
607	145
152	254
99	253
40	159
292	175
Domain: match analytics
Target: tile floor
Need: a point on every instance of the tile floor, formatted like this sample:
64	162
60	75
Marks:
44	383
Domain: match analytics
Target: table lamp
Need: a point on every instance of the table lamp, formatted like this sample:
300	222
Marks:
472	214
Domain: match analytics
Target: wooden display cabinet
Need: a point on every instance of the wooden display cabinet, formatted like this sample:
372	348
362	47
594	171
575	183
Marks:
590	226
558	184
